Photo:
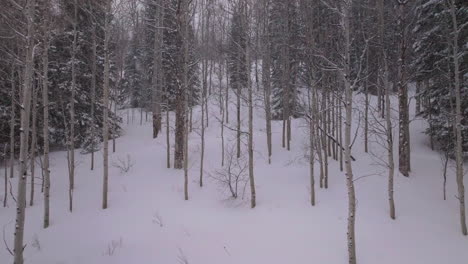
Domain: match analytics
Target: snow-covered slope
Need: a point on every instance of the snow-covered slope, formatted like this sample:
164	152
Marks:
149	222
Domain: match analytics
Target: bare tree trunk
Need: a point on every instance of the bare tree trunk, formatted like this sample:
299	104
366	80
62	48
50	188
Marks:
5	197
184	24
156	73
227	94
71	139
203	107
72	101
311	149
403	147
33	142
168	141
366	107
340	127
251	158
105	125
238	106
389	127
93	94
347	138
24	134
458	121
12	122
168	130
266	78
45	127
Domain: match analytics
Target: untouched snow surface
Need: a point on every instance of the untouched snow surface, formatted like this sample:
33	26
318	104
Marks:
149	222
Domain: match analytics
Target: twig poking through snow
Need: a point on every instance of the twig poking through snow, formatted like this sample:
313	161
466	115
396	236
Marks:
181	258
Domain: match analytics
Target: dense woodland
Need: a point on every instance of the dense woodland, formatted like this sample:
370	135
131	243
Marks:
73	71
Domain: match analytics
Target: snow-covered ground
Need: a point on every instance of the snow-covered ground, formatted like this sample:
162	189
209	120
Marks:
148	221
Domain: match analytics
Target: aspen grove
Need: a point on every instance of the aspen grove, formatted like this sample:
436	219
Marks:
233	131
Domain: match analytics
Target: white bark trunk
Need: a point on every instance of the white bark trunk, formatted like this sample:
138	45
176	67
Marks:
24	134
458	119
105	125
45	127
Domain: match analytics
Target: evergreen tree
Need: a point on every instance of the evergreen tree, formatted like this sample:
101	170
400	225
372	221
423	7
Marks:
286	39
433	65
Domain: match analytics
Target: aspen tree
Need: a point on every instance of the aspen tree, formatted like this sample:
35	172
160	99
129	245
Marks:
12	122
45	126
105	126
24	133
32	155
458	118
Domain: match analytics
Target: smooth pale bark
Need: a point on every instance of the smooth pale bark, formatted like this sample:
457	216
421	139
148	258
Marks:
24	134
346	13
203	107
93	92
72	100
32	154
168	133
458	120
311	149
5	184
253	199
71	139
389	139
184	24
45	127
155	77
105	125
227	94
238	111
340	128
366	107
12	123
380	21
266	79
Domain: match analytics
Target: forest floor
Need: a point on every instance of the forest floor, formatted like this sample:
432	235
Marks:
148	221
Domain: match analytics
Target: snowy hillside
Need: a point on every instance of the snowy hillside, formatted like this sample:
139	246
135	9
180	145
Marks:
148	221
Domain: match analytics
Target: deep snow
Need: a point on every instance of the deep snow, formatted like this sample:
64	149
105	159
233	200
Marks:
149	222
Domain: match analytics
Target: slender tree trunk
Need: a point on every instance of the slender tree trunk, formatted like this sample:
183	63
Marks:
93	94
458	121
227	94
221	108
45	127
251	158
266	80
366	107
267	96
12	122
5	184
155	77
311	149
203	107
24	134
185	25
105	125
72	100
347	138
33	142
71	140
168	130
389	127
238	95
403	147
